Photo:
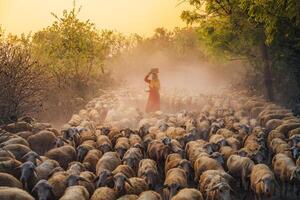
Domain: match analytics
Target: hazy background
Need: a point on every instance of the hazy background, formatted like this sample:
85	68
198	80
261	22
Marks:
127	16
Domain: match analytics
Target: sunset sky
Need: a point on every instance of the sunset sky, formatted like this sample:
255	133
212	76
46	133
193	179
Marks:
127	16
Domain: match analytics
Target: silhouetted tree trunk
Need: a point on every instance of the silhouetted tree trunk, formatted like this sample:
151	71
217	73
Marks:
268	83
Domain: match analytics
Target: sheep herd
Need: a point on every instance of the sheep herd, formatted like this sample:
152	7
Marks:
214	147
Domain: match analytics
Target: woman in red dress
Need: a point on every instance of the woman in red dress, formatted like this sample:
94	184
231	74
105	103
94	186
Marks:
154	86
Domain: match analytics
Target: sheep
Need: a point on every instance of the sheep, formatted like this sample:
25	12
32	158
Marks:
44	169
176	179
285	170
240	167
104	144
32	157
9	181
104	193
188	194
42	142
15	140
285	128
58	182
63	155
18	150
75	192
86	179
149	195
8	193
109	161
91	159
28	175
158	151
226	152
215	185
86	135
124	169
132	157
136	141
43	190
10	166
204	163
121	146
82	150
262	181
133	185
6	154
280	146
148	170
18	127
75	168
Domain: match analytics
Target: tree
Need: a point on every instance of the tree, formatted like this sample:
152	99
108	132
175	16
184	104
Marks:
264	33
21	82
73	50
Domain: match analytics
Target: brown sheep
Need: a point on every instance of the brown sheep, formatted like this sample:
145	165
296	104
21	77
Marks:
122	145
285	170
233	143
188	194
135	186
136	141
285	128
226	152
148	170
158	151
109	161
82	150
295	131
215	185
63	155
280	146
15	140
42	142
10	166
25	134
104	143
76	192
240	167
9	181
104	193
262	181
175	180
58	183
9	193
18	127
149	195
132	157
91	159
44	169
204	163
274	134
18	150
273	124
172	161
124	169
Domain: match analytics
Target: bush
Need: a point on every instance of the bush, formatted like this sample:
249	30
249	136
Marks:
21	82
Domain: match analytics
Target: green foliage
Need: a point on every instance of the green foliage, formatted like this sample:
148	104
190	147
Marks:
238	29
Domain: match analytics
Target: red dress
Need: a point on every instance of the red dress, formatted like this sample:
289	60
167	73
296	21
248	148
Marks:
153	103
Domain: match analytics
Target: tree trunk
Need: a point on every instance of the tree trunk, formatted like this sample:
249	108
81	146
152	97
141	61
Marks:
268	83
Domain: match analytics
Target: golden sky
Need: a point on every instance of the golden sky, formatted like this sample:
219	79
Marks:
127	16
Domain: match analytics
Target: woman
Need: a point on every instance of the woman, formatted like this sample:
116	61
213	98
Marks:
154	86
